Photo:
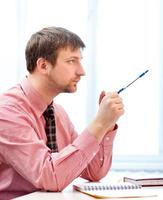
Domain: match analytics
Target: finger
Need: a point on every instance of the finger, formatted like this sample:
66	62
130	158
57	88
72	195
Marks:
120	108
118	101
112	94
101	96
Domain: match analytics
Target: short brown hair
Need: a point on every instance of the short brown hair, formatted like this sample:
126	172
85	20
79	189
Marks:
47	42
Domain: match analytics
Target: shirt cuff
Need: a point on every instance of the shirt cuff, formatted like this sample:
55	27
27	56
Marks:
109	137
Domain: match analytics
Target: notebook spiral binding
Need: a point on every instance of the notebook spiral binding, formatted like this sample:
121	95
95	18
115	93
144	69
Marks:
110	187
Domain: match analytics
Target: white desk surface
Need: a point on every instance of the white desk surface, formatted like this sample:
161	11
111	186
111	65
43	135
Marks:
69	194
73	195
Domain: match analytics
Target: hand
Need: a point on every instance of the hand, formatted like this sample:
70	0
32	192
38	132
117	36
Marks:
110	109
100	99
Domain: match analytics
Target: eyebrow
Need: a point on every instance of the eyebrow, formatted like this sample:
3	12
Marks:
75	57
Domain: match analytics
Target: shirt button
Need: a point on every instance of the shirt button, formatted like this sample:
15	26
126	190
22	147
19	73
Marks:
107	138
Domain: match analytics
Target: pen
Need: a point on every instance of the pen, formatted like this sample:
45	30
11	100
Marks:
141	75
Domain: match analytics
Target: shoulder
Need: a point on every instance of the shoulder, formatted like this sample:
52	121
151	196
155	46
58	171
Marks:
12	96
13	104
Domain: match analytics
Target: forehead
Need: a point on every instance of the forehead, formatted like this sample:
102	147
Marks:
69	52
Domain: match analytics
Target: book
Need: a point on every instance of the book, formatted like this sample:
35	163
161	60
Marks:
145	182
121	190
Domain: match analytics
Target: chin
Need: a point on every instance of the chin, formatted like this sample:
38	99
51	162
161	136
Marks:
73	90
70	90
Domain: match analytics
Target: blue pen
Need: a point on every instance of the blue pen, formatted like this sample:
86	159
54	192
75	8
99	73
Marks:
133	81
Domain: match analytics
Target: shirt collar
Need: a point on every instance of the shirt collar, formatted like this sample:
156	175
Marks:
35	99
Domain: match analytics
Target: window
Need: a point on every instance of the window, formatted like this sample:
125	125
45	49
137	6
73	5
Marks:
127	44
8	44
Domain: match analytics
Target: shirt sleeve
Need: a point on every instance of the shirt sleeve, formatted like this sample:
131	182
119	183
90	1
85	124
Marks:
102	161
28	155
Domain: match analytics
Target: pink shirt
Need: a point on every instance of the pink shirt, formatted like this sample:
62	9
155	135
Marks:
26	164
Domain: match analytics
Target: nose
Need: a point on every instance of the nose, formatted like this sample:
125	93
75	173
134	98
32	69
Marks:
80	70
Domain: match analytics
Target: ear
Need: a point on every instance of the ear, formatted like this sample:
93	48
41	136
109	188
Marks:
42	65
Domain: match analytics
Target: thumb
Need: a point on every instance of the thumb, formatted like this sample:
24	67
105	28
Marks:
101	96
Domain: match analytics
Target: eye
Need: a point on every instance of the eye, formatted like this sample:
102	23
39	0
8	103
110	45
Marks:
71	61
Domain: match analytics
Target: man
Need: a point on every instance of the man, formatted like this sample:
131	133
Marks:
27	161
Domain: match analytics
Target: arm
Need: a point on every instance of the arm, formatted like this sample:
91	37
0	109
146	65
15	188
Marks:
27	154
101	163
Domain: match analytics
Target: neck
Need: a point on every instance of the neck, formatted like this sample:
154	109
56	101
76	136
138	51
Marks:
40	85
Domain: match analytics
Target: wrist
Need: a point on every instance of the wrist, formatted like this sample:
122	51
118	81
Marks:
112	128
97	129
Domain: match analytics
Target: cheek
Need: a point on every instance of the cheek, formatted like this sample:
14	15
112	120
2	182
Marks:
62	73
58	76
59	70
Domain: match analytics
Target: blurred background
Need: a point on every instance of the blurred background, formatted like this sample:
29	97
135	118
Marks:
123	39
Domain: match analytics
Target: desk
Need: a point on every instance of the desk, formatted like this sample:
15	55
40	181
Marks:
55	196
69	194
73	195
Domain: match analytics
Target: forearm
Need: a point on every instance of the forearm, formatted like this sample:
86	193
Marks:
101	163
48	171
71	165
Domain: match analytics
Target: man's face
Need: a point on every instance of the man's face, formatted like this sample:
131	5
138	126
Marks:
64	76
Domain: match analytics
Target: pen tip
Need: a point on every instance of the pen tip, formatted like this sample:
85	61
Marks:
143	73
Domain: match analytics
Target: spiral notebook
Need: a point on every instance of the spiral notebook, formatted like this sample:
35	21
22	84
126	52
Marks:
123	190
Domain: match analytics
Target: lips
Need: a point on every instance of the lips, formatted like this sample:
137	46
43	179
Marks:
76	80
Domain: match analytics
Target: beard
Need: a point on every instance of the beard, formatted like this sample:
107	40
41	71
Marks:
70	88
62	87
